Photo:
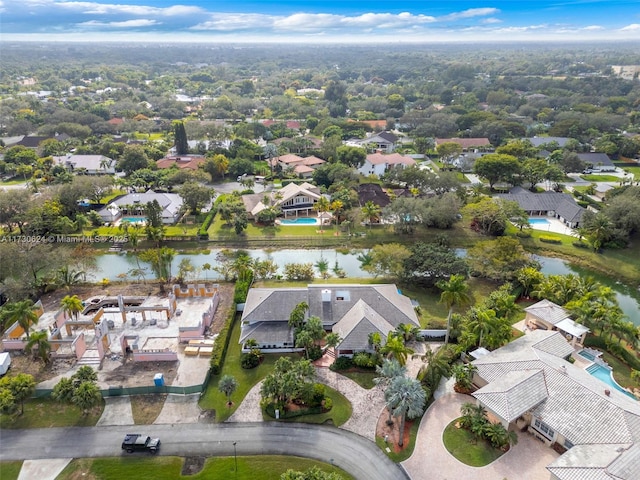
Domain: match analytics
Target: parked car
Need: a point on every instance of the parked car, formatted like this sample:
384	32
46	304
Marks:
137	442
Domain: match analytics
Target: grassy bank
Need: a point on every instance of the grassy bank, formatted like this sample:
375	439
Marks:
47	413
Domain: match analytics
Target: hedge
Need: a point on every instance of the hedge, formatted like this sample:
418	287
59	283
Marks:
202	231
547	239
222	343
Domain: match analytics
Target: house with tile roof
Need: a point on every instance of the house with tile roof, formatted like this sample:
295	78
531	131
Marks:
353	311
547	315
293	199
553	204
378	163
183	162
467	144
529	385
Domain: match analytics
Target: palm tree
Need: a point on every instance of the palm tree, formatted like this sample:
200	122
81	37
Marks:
406	398
371	211
395	348
39	340
298	314
227	385
332	340
389	369
206	267
529	278
21	312
321	206
86	395
481	323
455	292
71	305
407	331
375	341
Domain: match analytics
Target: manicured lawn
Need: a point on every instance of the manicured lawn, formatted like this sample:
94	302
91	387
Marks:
364	379
634	170
621	371
47	413
213	399
161	468
463	445
340	413
10	470
600	178
170	231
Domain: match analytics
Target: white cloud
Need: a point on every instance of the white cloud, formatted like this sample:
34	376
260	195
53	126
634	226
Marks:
632	27
593	27
95	8
491	20
470	13
141	22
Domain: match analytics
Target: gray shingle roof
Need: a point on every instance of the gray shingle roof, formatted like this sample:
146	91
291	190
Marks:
515	393
268	333
596	159
268	304
354	328
544	202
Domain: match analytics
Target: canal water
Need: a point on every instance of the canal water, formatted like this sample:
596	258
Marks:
110	266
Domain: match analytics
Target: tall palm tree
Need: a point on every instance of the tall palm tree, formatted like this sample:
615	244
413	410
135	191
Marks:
455	292
227	385
371	211
21	312
481	323
406	398
71	305
321	206
40	342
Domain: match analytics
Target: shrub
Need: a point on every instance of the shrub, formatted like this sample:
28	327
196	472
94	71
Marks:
364	360
547	239
580	245
327	404
523	234
314	352
221	344
318	394
249	360
341	363
202	231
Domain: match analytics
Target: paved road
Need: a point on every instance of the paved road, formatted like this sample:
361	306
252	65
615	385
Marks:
356	455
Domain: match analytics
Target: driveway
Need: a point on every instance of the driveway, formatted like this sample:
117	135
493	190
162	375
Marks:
356	455
431	460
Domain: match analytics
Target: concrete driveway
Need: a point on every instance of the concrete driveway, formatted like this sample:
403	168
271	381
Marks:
431	460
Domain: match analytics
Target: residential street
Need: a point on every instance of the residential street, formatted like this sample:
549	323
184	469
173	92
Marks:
356	455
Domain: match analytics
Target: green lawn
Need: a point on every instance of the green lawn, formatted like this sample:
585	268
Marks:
47	413
463	445
621	371
339	414
161	468
213	399
634	170
600	177
364	379
10	470
15	181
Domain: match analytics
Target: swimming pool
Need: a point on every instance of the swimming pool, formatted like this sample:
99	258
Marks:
587	355
604	375
300	221
538	221
134	219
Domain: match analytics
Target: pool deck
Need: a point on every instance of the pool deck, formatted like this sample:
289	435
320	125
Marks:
553	225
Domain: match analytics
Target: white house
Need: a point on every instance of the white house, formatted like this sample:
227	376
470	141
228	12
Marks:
134	204
89	164
379	163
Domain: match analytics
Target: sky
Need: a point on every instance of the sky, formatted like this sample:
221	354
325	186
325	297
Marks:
316	21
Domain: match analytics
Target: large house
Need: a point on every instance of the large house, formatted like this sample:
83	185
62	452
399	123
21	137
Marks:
383	142
188	162
352	311
134	204
88	164
553	204
529	384
292	199
379	163
597	161
302	166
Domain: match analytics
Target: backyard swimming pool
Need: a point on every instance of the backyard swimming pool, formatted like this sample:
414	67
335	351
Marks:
134	219
300	221
604	375
538	221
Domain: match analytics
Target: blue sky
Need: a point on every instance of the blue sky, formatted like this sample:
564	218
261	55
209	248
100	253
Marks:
315	21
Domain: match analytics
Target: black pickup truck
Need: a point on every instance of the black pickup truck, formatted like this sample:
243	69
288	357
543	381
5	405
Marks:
136	442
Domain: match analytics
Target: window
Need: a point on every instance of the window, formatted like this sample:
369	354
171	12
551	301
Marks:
543	428
567	444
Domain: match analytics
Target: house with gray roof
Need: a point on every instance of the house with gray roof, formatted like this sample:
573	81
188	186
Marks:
134	204
353	311
539	141
553	204
529	385
88	164
598	161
